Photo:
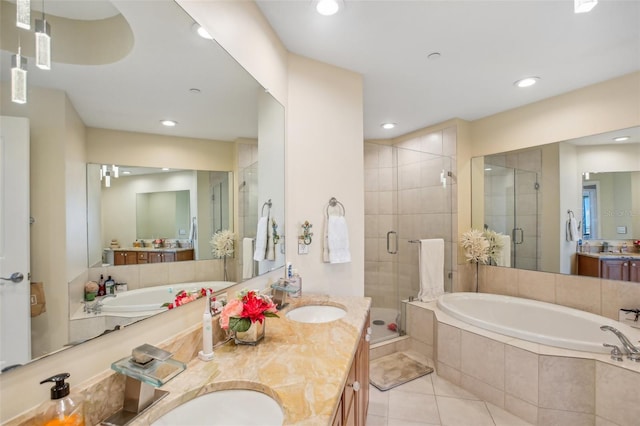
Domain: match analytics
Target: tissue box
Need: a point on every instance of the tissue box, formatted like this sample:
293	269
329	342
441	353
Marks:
629	318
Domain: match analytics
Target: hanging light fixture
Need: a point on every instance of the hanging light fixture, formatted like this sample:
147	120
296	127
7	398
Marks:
107	173
583	6
18	78
23	14
43	44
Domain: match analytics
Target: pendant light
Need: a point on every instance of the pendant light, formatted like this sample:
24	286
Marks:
23	14
18	78
43	43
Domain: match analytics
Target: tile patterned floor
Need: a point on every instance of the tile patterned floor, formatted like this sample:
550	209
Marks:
431	400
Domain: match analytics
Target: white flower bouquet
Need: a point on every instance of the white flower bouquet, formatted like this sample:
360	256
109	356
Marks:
222	244
476	246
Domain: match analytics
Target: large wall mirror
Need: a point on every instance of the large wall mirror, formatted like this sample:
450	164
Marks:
561	203
121	69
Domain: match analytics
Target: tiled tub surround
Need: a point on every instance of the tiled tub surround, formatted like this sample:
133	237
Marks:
596	295
541	384
302	366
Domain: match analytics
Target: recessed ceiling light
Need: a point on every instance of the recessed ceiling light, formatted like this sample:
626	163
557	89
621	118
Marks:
169	123
201	31
621	138
434	56
327	7
488	169
583	6
165	169
126	172
388	126
195	90
527	81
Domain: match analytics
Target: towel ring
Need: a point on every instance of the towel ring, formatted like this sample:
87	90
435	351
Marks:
268	204
333	202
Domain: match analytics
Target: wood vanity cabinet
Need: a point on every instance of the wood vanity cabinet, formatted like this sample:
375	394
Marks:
609	268
123	257
621	269
354	403
127	257
588	266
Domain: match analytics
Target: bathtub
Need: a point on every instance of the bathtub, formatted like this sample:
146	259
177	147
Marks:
152	298
538	322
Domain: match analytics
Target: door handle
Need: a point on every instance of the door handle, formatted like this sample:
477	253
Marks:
389	242
16	277
513	235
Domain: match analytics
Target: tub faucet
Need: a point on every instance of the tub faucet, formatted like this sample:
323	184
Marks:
632	352
96	308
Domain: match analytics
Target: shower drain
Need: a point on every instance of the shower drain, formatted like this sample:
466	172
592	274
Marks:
378	322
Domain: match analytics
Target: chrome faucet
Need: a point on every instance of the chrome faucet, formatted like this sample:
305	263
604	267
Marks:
96	307
632	352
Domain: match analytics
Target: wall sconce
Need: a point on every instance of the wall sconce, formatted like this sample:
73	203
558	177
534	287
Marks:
18	78
304	240
106	173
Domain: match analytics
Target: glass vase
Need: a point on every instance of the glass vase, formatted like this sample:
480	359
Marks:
252	336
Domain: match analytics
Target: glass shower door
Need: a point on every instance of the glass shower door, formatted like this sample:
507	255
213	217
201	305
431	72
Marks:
511	208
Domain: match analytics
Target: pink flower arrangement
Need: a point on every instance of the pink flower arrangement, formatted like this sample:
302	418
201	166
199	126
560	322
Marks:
184	297
249	307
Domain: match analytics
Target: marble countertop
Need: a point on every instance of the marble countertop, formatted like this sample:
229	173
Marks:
612	255
149	249
302	366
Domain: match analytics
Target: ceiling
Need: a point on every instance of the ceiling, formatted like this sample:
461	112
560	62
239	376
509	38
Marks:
484	46
154	81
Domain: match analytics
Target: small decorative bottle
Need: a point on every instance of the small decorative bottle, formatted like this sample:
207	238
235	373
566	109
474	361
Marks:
102	289
296	281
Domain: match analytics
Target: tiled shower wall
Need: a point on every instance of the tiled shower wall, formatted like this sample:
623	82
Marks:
403	193
247	197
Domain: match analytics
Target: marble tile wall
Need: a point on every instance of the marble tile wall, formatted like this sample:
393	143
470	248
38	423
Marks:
403	193
599	296
539	388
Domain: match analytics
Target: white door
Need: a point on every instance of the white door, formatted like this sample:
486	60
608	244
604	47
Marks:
15	314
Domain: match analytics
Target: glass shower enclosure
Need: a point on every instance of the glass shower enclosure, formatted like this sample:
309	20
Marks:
408	197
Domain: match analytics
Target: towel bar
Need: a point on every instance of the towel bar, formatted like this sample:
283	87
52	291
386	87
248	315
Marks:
334	202
268	204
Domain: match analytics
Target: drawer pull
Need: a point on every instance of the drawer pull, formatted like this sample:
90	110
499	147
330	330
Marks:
355	385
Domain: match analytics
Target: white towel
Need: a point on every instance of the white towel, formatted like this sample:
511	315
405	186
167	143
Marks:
193	232
431	269
572	229
338	240
504	258
271	249
247	258
261	239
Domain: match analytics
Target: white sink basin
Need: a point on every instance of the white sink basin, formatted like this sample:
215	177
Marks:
225	408
316	314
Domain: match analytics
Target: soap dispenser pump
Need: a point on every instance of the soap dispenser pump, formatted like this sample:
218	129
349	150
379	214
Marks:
62	410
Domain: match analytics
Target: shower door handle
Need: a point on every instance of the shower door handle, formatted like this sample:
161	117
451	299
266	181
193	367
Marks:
513	235
389	242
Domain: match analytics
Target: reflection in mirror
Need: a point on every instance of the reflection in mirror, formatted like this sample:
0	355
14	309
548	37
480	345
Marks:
163	214
183	208
609	201
530	195
102	103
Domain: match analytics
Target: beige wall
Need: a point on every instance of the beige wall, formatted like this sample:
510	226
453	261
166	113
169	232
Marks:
147	150
324	160
58	242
